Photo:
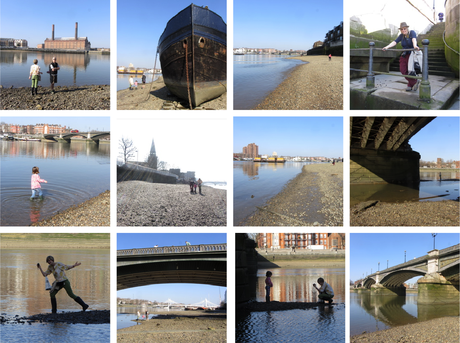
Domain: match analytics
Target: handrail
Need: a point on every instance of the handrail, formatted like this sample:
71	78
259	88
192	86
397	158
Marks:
445	43
173	249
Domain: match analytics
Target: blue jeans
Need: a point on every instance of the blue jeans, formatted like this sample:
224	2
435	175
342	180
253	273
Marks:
36	192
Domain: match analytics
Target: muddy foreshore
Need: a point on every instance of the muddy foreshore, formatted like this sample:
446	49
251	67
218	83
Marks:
93	212
53	240
158	204
156	96
312	198
178	327
93	97
87	317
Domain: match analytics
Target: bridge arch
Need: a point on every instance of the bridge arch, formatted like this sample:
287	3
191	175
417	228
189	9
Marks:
397	278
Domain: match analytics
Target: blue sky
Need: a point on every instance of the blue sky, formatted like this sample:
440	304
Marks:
33	20
140	24
289	24
78	123
290	136
440	138
368	249
184	293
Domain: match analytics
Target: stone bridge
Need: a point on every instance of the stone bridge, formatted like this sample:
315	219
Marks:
200	264
380	150
90	136
440	276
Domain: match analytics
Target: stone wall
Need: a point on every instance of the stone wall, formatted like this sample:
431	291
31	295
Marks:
246	268
452	30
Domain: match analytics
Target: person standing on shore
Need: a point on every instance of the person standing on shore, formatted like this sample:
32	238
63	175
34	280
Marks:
131	82
35	184
330	56
143	79
408	39
61	281
35	76
194	187
199	185
268	285
326	293
53	71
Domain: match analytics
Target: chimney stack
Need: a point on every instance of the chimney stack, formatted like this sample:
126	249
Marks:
52	33
76	31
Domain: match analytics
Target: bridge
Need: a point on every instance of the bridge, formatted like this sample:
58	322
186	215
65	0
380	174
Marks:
90	136
440	277
200	264
380	150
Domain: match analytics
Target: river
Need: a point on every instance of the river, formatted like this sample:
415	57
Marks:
254	183
256	76
23	293
372	313
75	173
75	69
322	324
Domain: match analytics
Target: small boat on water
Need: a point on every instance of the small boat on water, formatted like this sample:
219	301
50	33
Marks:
193	55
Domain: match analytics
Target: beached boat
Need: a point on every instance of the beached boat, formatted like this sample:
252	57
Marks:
193	55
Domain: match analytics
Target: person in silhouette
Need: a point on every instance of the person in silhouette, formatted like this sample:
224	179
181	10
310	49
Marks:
268	285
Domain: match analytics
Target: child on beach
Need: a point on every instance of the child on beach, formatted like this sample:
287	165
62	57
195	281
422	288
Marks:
135	84
325	292
35	184
268	285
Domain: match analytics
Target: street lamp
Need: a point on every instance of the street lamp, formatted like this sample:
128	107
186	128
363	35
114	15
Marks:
434	239
404	256
387	264
379	267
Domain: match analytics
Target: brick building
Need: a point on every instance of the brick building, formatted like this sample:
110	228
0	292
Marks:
49	129
301	240
67	43
251	151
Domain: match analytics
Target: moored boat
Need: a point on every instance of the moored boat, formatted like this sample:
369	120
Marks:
193	55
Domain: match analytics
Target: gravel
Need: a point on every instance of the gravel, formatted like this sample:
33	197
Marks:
317	85
312	198
66	98
427	213
157	204
440	330
87	317
93	212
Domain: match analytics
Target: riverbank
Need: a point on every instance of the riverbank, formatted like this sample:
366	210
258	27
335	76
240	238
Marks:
94	97
156	96
53	240
178	327
159	204
93	212
297	264
312	198
427	213
317	85
431	331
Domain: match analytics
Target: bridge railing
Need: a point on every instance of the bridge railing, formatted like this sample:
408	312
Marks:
424	89
173	249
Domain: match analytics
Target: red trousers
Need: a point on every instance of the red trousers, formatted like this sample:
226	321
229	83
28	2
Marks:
403	62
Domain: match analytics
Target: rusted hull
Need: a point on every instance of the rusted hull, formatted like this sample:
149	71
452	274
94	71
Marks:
193	55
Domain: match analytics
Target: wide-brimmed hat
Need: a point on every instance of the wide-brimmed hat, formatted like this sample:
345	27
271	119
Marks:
403	25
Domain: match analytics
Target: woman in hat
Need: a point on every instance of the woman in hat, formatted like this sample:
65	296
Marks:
34	75
58	269
408	39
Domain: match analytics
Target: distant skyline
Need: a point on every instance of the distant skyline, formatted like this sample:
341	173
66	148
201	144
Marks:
32	20
78	123
368	249
290	136
290	24
183	293
137	36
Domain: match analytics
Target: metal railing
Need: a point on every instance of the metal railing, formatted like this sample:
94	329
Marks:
174	250
424	89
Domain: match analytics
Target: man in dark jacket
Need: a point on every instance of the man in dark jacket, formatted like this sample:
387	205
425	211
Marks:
53	70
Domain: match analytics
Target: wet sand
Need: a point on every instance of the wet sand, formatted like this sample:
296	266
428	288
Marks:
178	327
440	330
312	198
317	85
156	96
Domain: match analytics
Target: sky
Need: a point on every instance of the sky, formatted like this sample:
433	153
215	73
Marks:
283	25
183	293
290	136
139	30
197	145
368	249
79	123
32	20
377	15
440	138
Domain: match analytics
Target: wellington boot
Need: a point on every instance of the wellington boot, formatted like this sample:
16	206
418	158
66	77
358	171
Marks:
53	305
32	89
82	303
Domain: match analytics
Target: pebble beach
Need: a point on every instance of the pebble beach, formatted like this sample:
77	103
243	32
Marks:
316	85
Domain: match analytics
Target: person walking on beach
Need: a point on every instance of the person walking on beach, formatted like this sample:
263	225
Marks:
268	285
326	293
330	56
408	39
35	76
61	281
35	184
199	185
53	71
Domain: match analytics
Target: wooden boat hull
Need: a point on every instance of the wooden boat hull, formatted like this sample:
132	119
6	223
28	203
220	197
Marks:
193	55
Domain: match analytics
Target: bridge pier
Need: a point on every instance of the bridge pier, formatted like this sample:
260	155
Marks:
434	288
379	289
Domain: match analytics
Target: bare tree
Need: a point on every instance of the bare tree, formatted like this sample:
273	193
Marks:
127	148
163	165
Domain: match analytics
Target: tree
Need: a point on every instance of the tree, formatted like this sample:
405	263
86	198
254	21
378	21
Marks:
163	165
127	148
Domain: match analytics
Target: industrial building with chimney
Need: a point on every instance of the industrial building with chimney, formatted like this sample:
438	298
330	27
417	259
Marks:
66	43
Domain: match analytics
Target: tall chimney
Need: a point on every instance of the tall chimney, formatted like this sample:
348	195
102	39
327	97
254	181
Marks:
76	31
52	33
